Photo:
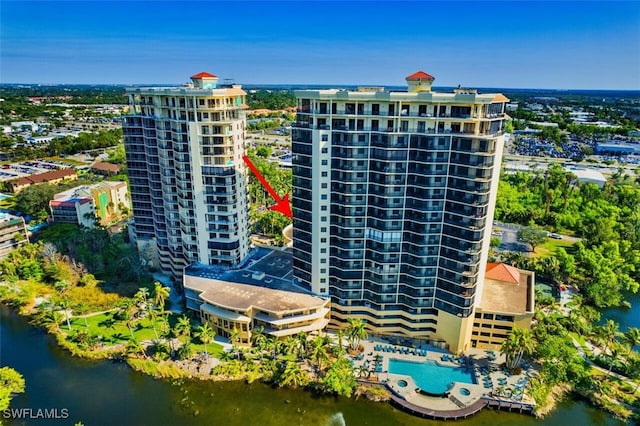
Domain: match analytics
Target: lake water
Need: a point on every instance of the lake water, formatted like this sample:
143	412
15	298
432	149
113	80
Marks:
104	393
625	317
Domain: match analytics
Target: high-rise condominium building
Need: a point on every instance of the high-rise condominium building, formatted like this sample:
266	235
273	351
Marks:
393	202
184	149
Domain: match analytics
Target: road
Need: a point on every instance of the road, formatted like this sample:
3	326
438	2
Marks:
510	241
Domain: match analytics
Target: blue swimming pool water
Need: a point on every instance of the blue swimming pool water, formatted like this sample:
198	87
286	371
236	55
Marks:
430	376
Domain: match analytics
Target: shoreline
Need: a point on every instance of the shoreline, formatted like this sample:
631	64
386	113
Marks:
375	391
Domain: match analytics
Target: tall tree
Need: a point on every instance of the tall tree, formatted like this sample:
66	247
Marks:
206	334
355	331
517	344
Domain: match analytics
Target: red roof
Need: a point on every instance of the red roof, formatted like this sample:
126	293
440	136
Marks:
502	272
420	75
203	75
106	167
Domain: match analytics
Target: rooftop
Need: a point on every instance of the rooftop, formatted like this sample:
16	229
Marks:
503	293
502	272
203	74
265	282
276	265
420	75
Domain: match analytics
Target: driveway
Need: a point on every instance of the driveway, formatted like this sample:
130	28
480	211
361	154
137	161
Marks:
509	237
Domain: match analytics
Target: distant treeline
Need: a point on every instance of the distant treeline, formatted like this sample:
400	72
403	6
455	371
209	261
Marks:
271	99
78	94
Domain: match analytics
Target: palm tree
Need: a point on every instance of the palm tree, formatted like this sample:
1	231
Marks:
355	332
632	336
64	304
518	343
608	333
303	339
319	351
292	375
340	336
51	320
141	296
183	327
633	367
160	295
134	348
234	338
205	334
291	345
617	353
257	336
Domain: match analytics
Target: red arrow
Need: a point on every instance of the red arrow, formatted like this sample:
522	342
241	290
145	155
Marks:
281	205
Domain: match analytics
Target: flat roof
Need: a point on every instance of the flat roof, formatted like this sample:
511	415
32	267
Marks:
508	297
587	174
242	297
264	280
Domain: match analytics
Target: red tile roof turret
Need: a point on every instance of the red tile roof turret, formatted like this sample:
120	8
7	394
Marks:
203	75
420	75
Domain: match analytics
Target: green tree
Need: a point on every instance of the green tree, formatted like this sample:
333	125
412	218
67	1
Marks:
340	378
632	336
532	236
11	383
263	151
518	343
355	332
292	375
205	334
318	351
34	200
183	328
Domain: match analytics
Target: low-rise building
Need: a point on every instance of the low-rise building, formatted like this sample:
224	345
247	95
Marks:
588	175
508	301
53	177
258	296
106	169
82	205
13	233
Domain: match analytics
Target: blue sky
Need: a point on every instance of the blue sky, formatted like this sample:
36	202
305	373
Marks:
518	44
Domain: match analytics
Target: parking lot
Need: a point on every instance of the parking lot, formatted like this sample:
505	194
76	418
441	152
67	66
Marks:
28	168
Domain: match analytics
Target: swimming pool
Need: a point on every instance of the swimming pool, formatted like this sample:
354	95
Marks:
429	376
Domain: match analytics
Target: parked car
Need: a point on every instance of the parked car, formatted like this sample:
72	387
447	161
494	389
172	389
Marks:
555	236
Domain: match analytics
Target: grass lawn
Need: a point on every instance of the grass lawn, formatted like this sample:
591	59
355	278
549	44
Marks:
214	349
119	332
143	330
550	247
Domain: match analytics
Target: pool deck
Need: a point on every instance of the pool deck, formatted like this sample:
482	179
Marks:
491	387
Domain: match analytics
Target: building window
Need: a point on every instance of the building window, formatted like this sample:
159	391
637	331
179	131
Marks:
325	138
323	208
323	229
323	196
325	150
487	316
323	290
323	219
323	240
323	260
323	174
323	270
324	162
323	186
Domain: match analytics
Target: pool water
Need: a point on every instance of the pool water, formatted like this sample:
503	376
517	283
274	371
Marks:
430	376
